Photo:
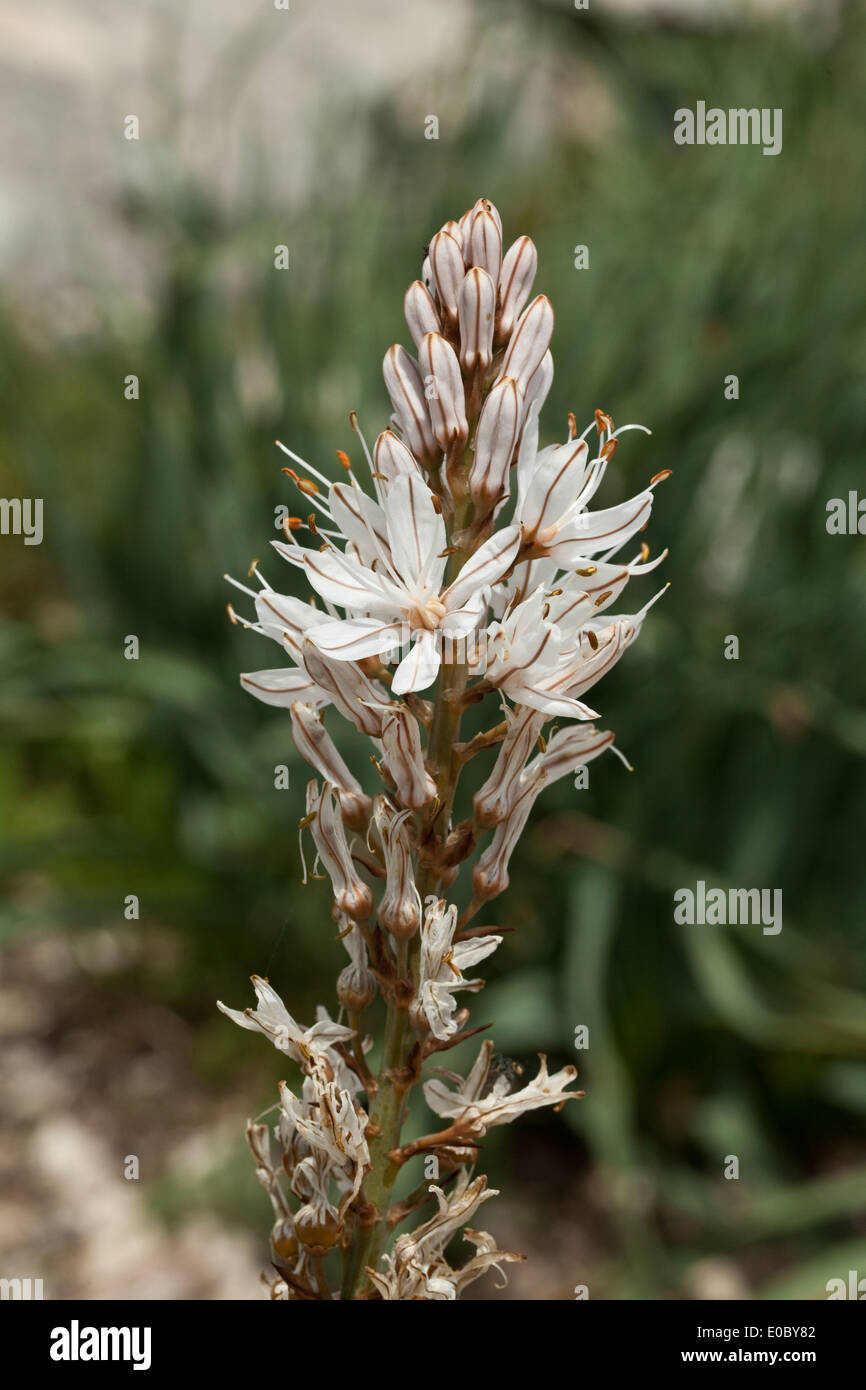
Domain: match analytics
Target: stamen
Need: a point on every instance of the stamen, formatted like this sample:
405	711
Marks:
305	485
603	422
307	467
622	429
250	593
660	477
623	759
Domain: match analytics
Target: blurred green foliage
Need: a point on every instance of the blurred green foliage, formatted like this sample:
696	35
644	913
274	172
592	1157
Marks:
156	777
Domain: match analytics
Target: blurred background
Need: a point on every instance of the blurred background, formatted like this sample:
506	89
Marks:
155	777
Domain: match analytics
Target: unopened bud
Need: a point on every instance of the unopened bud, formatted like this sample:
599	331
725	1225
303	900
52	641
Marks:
401	743
315	744
420	312
485	244
391	457
485	205
446	402
406	389
476	307
356	987
515	281
539	387
352	896
495	442
529	343
446	263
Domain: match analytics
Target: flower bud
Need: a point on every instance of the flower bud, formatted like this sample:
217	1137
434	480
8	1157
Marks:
485	205
401	743
495	441
485	244
476	307
400	907
461	236
406	389
351	894
515	281
541	383
391	457
353	694
453	229
315	744
443	387
529	343
420	312
492	802
446	264
356	987
490	874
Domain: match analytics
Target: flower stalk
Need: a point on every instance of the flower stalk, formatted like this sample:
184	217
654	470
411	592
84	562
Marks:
474	567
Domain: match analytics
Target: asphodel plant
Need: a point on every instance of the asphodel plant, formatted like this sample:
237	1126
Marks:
465	571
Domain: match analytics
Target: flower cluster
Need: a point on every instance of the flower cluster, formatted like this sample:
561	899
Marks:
471	567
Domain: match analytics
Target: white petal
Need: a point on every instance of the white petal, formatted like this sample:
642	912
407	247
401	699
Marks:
285	618
420	667
361	521
356	638
555	485
489	563
341	580
604	530
415	529
283	687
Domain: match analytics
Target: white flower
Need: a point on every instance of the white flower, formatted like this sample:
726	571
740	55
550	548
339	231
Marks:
396	582
332	1126
549	664
441	967
554	488
417	1268
478	1112
306	1046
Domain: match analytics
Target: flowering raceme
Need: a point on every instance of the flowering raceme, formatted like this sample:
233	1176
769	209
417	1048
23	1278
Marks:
469	570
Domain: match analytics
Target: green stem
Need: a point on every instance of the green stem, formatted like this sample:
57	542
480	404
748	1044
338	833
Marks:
388	1110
